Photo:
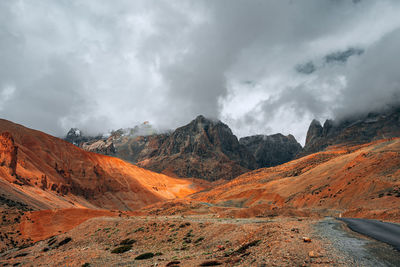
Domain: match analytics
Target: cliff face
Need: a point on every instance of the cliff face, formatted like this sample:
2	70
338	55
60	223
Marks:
352	131
271	150
8	153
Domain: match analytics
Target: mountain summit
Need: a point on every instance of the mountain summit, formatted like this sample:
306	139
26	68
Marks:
204	149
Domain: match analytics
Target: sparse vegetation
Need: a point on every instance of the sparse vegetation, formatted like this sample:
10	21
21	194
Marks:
144	256
21	255
64	241
211	263
121	249
140	229
128	241
198	240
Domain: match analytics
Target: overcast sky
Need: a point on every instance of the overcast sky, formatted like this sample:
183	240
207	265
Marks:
260	66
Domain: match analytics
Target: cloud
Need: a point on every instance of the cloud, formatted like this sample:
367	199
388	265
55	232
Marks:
343	56
101	65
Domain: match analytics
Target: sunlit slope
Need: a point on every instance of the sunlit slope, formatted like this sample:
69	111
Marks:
47	172
362	180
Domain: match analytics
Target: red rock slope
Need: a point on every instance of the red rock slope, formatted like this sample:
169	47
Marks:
46	173
362	181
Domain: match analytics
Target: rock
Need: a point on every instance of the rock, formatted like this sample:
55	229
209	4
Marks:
105	147
271	150
313	254
307	240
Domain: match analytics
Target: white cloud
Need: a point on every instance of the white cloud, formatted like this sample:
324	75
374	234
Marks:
6	94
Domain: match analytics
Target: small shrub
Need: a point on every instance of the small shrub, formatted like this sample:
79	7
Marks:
198	240
52	241
121	249
127	241
21	255
86	264
65	241
144	256
210	263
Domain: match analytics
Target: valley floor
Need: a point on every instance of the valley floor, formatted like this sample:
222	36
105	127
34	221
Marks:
203	240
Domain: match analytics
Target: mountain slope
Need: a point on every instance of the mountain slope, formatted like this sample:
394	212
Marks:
47	172
360	179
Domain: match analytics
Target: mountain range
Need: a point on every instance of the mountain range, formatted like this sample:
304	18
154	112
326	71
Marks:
208	149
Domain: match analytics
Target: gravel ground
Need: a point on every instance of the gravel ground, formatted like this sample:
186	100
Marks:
355	249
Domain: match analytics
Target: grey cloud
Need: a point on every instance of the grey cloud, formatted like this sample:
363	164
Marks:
374	80
343	56
306	68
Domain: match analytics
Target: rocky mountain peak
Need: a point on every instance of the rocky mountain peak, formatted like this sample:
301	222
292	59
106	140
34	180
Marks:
74	136
359	129
314	131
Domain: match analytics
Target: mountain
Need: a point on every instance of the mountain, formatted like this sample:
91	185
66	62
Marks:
45	172
352	130
271	150
360	181
203	149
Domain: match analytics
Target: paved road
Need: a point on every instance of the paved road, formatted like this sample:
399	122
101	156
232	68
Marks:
382	231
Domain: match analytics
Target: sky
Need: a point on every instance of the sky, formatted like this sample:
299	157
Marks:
262	67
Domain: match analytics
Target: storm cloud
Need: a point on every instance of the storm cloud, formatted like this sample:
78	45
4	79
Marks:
261	66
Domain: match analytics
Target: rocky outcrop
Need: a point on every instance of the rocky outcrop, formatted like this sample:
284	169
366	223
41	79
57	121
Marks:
353	130
105	147
8	153
271	150
203	149
139	148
